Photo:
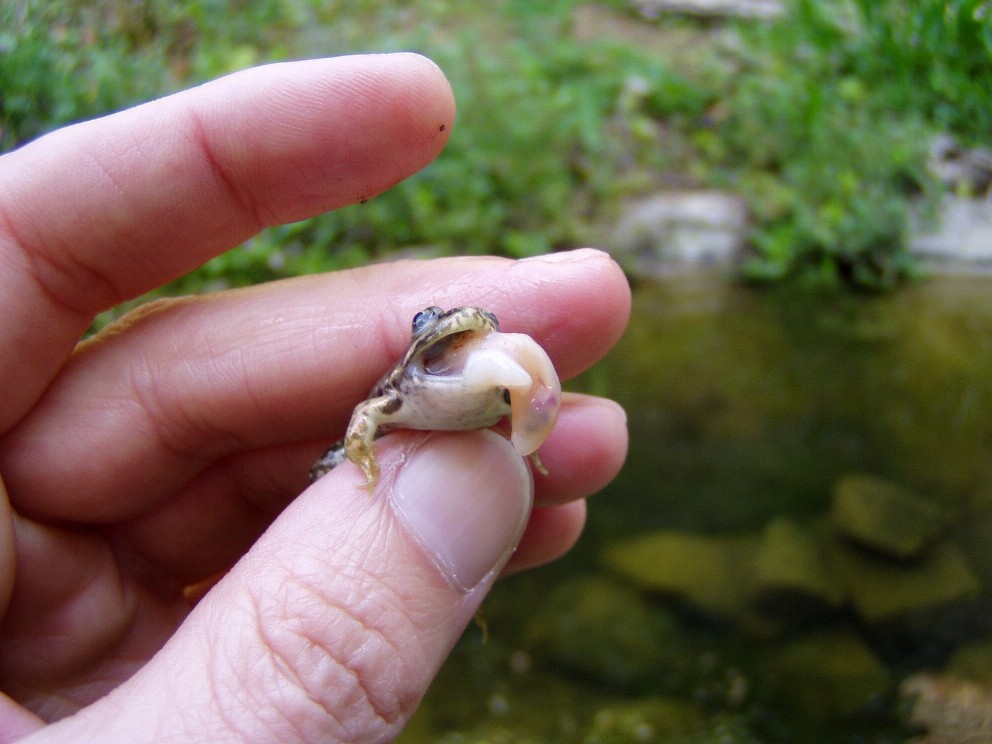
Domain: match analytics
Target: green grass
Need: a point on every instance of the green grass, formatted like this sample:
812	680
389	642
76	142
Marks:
821	120
68	60
833	119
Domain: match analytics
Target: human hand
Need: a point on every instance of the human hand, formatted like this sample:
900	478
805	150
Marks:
161	578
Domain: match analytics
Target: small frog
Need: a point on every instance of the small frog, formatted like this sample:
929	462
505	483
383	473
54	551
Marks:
460	373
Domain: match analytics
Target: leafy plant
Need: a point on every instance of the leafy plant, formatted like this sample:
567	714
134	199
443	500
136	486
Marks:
838	103
63	60
820	119
531	160
58	65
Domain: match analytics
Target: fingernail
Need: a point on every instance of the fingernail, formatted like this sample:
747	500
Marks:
571	256
465	498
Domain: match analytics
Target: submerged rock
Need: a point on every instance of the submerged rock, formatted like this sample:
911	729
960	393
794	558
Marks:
828	675
714	573
648	719
950	709
886	517
791	573
484	733
660	719
790	576
882	590
604	631
973	532
972	661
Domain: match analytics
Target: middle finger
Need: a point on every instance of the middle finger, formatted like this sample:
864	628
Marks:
142	409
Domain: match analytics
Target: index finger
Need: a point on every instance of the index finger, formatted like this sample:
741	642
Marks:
103	211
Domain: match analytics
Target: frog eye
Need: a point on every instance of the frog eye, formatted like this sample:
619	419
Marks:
425	318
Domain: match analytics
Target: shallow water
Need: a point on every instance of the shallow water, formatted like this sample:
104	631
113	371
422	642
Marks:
746	409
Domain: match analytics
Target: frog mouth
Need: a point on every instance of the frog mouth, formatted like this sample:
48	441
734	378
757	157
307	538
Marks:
516	363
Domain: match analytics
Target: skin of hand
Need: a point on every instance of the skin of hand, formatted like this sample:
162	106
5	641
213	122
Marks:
166	573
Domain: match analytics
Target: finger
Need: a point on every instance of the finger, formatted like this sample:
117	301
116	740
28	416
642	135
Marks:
213	521
15	721
550	533
143	409
585	450
76	622
103	211
335	623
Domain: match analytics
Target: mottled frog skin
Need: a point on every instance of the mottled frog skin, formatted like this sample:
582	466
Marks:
424	390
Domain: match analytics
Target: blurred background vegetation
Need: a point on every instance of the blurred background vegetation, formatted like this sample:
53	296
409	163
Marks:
820	119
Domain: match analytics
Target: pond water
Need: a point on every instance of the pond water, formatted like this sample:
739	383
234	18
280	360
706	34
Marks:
804	523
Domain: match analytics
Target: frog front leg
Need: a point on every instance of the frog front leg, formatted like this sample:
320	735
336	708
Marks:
366	420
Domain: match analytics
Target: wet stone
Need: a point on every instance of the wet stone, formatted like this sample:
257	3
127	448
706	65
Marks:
828	675
975	539
485	733
714	573
881	589
972	661
791	572
680	229
649	719
602	630
950	709
886	517
661	719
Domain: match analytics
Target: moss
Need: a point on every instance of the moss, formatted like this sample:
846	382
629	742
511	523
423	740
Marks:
650	719
790	562
885	516
604	631
972	661
880	589
715	573
828	675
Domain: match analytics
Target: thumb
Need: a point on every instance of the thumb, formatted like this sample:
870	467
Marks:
334	624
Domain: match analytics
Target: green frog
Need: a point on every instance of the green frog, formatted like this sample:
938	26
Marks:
460	373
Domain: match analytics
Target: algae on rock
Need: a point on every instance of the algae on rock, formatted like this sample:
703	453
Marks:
828	675
881	590
972	661
790	566
604	631
648	719
714	573
886	517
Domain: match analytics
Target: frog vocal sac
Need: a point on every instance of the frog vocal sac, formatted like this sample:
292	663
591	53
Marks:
460	373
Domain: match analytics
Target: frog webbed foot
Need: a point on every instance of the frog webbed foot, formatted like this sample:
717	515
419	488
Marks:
362	454
361	433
